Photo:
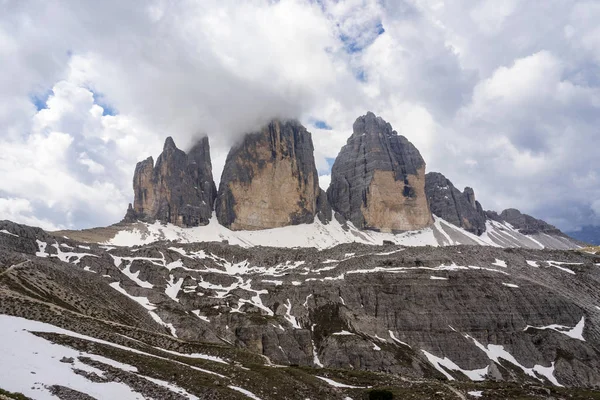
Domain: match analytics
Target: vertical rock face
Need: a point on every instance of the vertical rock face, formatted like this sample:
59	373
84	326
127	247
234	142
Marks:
179	189
378	179
448	203
270	179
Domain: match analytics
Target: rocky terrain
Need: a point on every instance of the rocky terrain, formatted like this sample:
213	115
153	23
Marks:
214	320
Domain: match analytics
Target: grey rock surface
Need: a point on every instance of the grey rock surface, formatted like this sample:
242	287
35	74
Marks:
270	179
179	189
454	206
324	210
377	179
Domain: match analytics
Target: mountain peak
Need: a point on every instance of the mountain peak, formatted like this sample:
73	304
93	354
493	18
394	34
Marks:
378	179
372	125
169	144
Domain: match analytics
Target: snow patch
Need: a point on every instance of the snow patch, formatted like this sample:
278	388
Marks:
195	355
173	288
288	315
395	339
159	320
500	263
316	360
244	392
42	249
496	352
342	333
202	317
444	364
340	385
143	301
171	387
305	304
24	353
557	264
575	332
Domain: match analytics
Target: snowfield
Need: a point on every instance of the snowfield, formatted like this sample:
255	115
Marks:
322	236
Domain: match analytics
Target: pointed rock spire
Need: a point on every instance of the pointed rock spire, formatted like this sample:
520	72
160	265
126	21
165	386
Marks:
179	189
169	144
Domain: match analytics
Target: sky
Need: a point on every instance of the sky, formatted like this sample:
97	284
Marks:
502	96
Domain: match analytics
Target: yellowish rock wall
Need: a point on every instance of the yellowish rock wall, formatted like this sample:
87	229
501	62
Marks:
388	210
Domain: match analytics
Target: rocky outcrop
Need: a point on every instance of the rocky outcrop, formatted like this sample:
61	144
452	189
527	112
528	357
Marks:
270	180
179	189
378	179
526	224
486	311
448	203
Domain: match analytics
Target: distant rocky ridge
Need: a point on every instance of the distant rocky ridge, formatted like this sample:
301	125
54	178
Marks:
526	224
458	208
462	210
270	180
179	189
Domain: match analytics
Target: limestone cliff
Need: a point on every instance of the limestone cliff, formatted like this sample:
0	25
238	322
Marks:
270	179
449	203
378	179
179	189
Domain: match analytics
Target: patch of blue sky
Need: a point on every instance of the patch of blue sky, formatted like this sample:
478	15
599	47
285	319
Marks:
360	75
356	44
101	101
319	124
40	100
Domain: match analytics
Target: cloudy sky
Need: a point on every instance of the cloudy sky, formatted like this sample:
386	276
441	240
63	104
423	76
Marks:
503	96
